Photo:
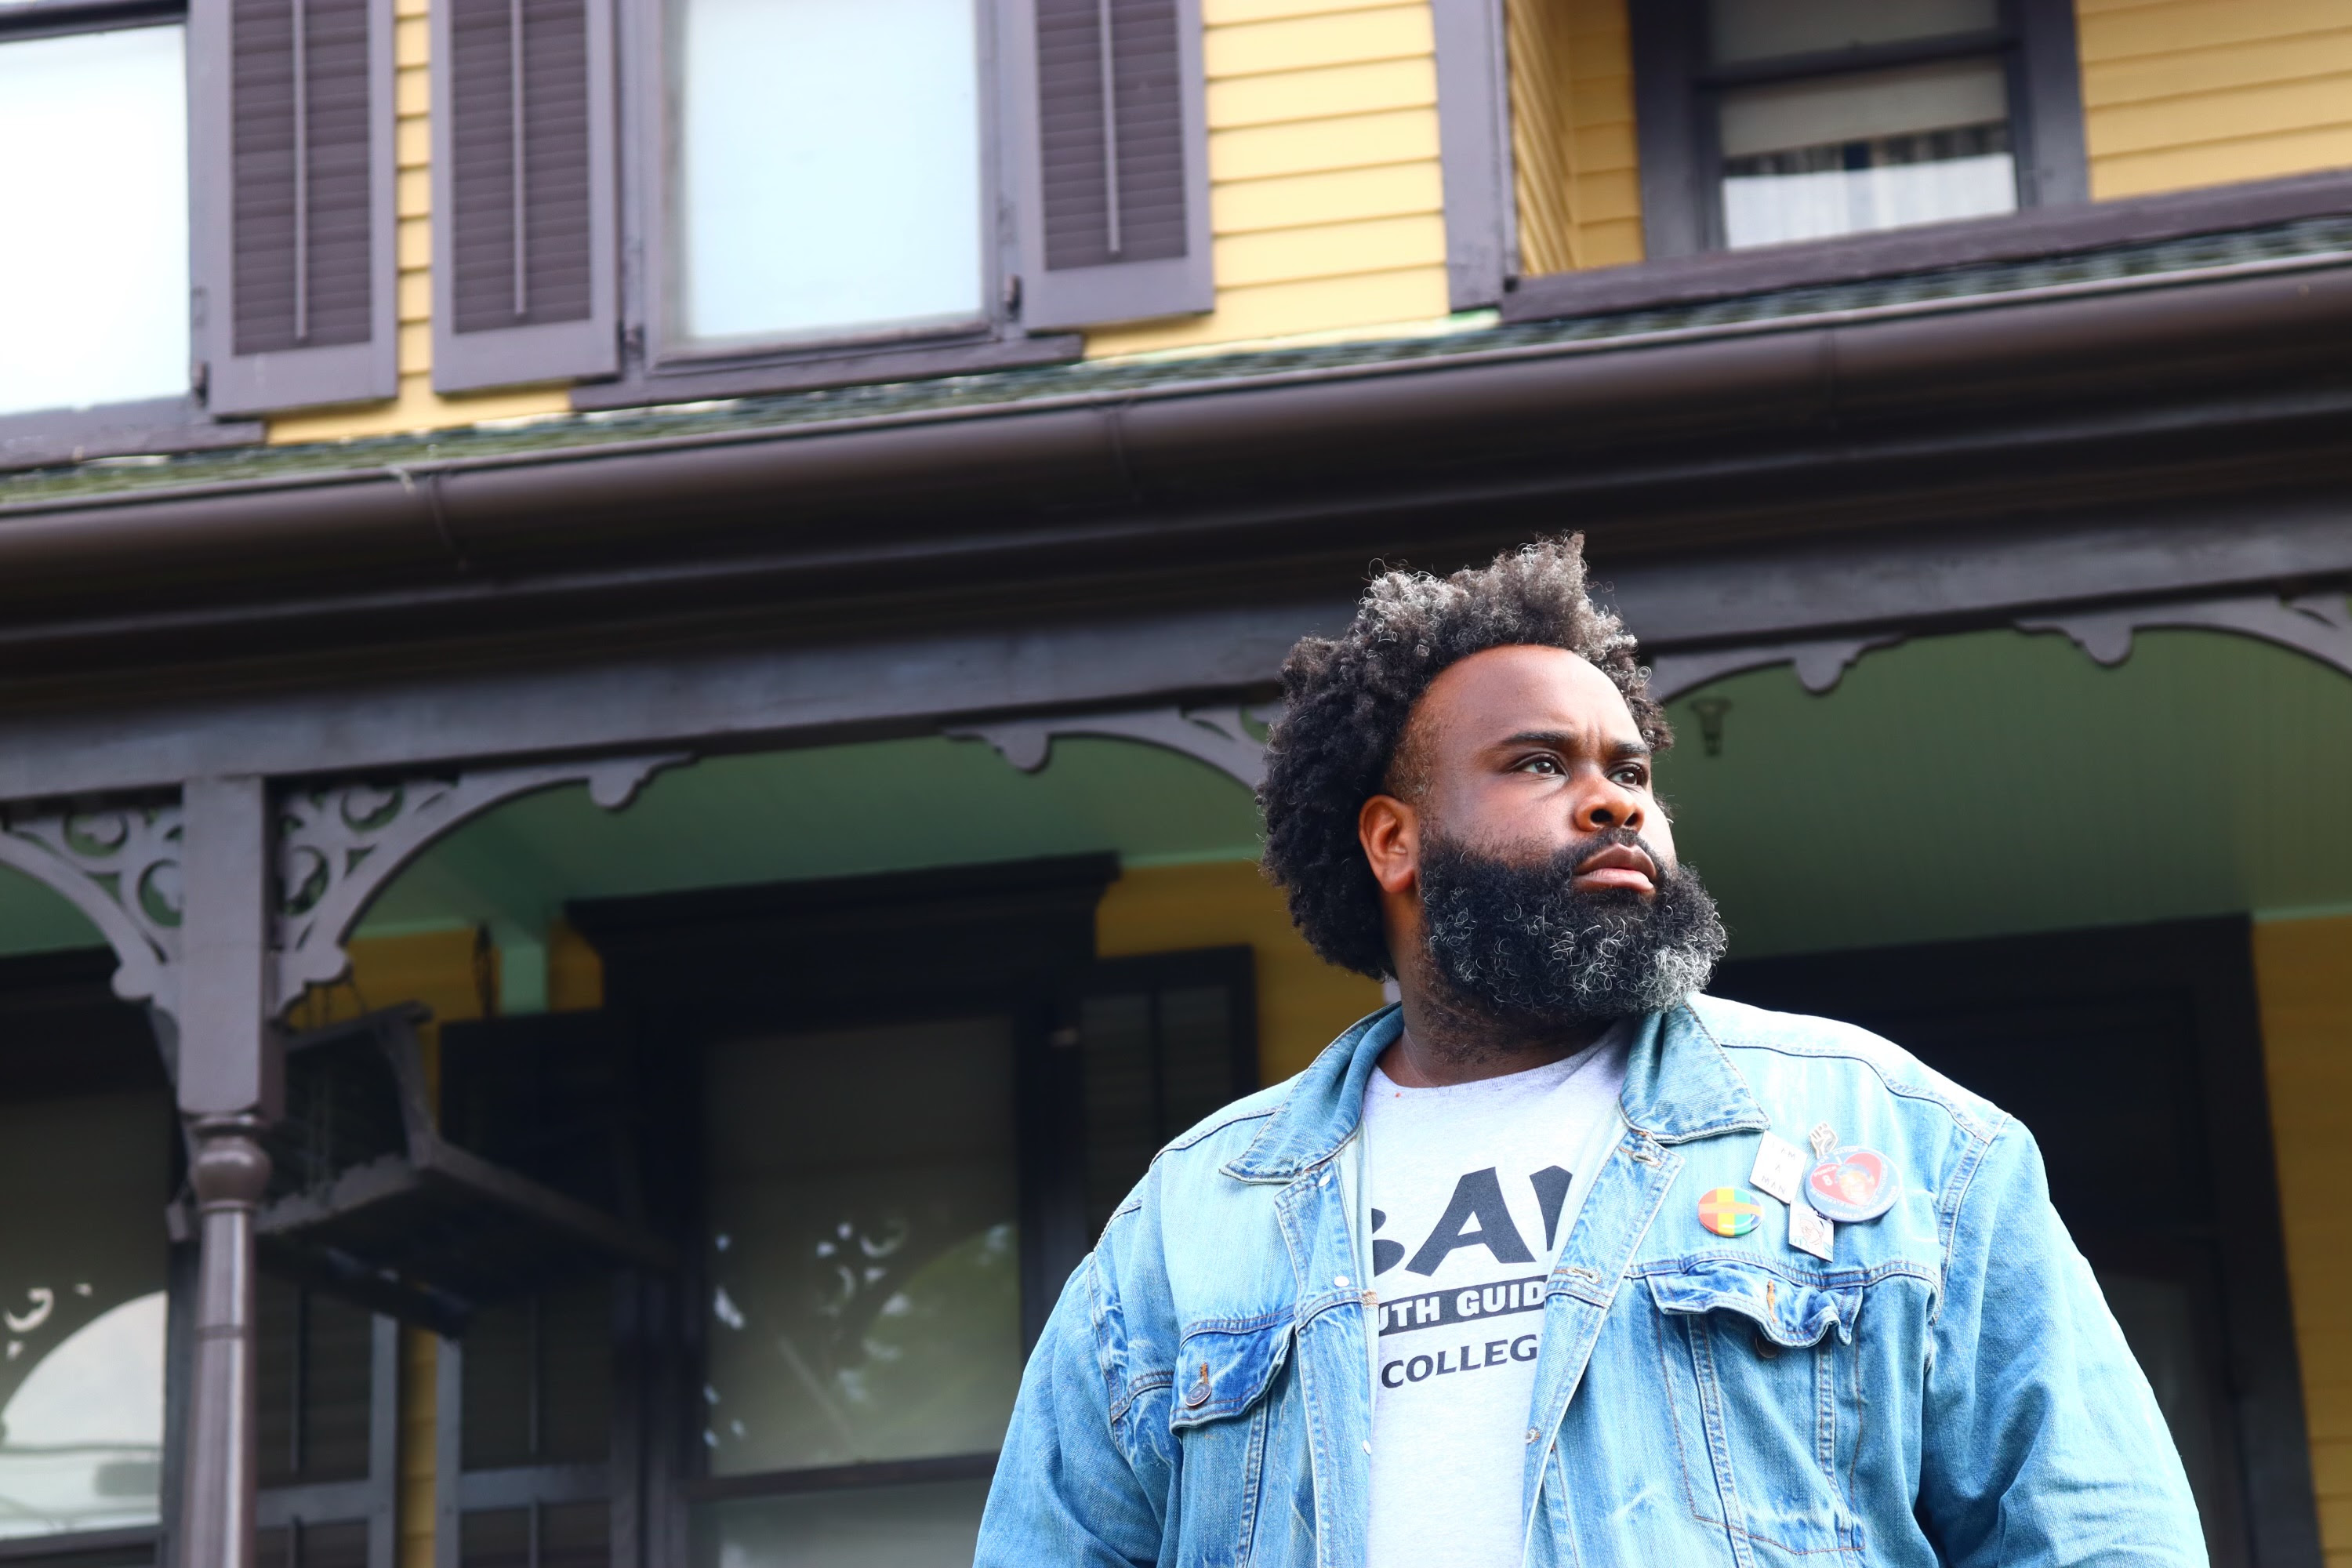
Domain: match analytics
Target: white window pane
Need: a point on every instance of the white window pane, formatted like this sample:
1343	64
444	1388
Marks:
1772	209
94	269
863	1260
1844	155
1827	111
1762	29
82	1313
827	167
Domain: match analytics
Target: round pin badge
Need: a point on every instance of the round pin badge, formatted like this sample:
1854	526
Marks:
1729	1211
1852	1185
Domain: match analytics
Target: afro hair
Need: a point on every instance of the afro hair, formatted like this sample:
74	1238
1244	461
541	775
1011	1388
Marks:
1348	699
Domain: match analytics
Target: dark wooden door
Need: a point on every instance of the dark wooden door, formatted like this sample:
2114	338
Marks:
2134	1056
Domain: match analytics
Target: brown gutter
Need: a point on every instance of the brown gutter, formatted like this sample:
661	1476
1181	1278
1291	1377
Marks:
957	483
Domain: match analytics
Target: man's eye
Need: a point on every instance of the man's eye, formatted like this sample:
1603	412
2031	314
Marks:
1550	765
1632	778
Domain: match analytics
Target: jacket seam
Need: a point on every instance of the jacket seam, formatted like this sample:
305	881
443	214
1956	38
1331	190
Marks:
1974	1125
1959	1188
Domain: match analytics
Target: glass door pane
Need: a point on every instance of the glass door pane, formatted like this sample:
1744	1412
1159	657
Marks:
82	1307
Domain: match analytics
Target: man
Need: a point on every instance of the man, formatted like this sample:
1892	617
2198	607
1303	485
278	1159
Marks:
1560	1261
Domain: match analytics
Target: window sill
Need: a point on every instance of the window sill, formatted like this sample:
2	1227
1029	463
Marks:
2025	235
154	426
865	365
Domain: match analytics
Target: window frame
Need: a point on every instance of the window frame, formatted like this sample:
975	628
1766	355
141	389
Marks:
1681	164
372	1499
41	437
658	365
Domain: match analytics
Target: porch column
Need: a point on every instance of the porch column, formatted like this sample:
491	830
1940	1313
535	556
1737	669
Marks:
228	1093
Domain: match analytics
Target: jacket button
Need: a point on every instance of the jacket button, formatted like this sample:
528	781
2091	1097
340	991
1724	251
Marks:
1198	1394
1765	1347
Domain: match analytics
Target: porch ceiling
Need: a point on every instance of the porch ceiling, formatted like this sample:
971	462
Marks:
1997	782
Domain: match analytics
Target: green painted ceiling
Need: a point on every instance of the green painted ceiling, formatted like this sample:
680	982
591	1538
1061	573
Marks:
1997	782
1953	786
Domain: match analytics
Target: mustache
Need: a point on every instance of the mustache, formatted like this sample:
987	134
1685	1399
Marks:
1572	858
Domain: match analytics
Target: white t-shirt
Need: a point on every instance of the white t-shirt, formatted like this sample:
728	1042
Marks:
1472	1188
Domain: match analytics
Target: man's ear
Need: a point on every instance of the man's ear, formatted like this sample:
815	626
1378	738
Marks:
1389	831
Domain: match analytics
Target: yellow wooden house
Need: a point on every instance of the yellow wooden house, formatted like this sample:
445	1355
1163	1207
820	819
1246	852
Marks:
634	636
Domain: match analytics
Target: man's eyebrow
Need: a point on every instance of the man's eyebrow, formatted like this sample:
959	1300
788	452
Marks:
1567	740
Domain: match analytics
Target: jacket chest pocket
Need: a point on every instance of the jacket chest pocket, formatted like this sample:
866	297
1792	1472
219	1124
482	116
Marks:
1760	1369
1222	1406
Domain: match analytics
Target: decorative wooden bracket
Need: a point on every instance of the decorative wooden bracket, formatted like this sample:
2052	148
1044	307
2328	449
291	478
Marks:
1229	738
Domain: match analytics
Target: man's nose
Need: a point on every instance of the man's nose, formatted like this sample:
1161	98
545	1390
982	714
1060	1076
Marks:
1605	804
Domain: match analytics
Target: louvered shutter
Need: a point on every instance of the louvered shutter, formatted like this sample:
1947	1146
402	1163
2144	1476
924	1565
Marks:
1115	214
292	139
522	161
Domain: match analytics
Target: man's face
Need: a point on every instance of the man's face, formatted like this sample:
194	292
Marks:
1525	851
1521	753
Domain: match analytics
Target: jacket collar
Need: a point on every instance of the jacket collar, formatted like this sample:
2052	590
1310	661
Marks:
1679	1085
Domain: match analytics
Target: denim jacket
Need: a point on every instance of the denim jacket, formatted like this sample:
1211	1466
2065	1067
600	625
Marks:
1951	1389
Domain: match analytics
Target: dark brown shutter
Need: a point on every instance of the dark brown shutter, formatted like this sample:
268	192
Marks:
523	192
1116	220
295	246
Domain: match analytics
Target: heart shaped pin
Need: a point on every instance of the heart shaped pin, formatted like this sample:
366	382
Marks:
1853	1184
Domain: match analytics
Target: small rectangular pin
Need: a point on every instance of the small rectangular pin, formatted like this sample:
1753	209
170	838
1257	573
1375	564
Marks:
1808	1232
1779	1167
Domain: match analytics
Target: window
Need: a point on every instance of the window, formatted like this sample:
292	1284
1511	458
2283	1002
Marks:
862	1287
87	1138
827	168
82	1299
326	1378
525	1435
892	1113
1808	154
1769	122
98	309
822	192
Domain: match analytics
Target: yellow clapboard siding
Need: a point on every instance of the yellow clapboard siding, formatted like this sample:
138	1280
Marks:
1573	133
1612	242
1285	309
2303	978
1232	13
416	296
1610	194
1321	93
1340	195
412	143
2269	110
1349	142
417	407
1338	38
414	250
1599	147
2200	24
2148	78
411	93
1330	250
408	41
2206	92
415	347
1602	100
1543	140
1303	1004
2219	164
413	192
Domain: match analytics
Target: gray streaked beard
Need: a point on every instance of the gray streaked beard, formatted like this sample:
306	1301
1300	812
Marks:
1519	941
